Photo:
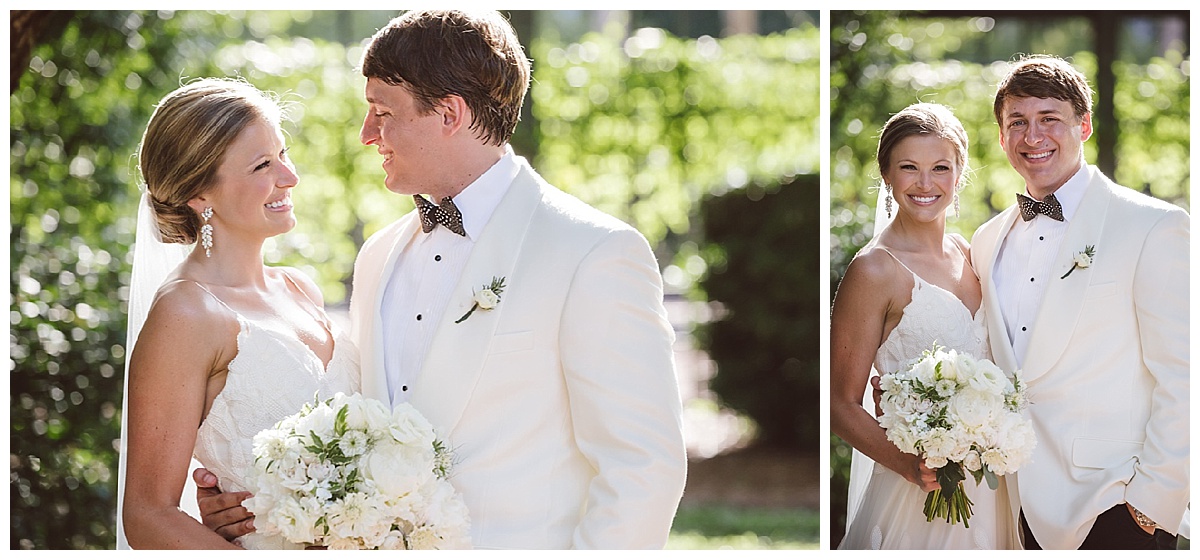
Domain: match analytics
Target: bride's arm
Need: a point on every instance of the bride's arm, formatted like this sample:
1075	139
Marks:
182	342
864	299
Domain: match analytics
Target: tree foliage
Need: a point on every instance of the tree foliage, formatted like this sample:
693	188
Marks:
766	342
643	127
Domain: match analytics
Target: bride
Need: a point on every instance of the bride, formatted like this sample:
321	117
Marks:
229	346
911	286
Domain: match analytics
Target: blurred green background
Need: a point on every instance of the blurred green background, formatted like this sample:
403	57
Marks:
1138	62
699	128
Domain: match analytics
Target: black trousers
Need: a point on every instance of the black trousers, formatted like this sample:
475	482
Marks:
1115	529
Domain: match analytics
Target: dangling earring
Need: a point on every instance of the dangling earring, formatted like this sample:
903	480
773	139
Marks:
887	201
955	205
206	232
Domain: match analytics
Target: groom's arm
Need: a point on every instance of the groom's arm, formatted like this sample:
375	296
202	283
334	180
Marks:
1160	485
624	398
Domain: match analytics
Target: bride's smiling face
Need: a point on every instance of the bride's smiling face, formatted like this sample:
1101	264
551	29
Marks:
253	192
923	173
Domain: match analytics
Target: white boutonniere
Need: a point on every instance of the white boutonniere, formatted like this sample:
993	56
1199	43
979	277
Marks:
486	298
1083	259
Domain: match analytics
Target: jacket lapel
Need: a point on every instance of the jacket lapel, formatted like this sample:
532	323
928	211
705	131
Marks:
988	247
457	352
374	377
1063	299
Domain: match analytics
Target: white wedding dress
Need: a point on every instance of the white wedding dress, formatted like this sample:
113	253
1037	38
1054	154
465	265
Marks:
272	376
889	514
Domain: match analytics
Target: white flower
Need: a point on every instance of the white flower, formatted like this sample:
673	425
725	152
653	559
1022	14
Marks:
366	473
995	461
971	461
973	409
399	469
410	428
1082	259
486	299
422	538
354	443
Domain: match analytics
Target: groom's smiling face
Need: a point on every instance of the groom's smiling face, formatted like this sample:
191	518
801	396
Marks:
406	138
1043	140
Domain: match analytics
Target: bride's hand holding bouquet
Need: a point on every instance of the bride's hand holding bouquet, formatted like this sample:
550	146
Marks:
959	414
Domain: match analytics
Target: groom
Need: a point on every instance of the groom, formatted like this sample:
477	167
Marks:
1086	288
559	400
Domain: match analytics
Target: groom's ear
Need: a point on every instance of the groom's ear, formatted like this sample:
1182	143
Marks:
455	114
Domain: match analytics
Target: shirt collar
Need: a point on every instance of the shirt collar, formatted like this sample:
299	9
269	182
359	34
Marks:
479	200
1070	194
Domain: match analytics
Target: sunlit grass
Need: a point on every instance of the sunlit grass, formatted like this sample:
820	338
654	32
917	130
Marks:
721	527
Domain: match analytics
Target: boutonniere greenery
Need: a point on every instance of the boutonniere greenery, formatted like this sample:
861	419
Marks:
1083	259
486	298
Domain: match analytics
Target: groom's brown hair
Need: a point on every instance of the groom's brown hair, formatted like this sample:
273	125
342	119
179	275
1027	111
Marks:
438	53
1046	77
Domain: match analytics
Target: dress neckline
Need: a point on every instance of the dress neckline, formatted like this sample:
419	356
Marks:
243	322
918	280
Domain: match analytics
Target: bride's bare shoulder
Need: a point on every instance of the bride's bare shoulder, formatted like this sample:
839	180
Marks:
302	280
961	242
873	264
187	304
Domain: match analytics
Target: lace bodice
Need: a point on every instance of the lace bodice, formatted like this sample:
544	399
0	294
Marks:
272	376
934	315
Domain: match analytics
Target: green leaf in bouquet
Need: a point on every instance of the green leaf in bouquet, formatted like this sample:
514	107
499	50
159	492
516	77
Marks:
979	476
949	476
993	481
339	422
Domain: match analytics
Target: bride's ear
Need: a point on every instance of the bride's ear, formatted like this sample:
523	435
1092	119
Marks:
199	203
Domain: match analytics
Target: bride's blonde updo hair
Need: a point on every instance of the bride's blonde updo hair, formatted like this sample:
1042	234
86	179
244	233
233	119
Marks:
919	119
185	140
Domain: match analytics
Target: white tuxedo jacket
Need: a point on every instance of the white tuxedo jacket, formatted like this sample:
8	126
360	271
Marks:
1107	365
561	403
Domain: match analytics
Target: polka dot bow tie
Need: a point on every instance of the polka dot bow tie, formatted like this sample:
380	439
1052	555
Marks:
1048	207
446	214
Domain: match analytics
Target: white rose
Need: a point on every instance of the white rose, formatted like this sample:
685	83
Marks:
905	440
973	409
486	299
947	365
935	462
398	469
445	506
971	461
319	421
1082	260
294	520
409	427
989	378
924	372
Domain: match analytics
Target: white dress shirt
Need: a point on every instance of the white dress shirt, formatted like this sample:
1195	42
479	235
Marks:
1026	259
426	272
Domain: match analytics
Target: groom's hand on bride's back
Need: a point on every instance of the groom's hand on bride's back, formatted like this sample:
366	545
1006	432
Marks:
876	395
221	511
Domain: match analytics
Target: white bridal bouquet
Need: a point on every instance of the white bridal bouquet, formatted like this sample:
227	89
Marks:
347	473
957	412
